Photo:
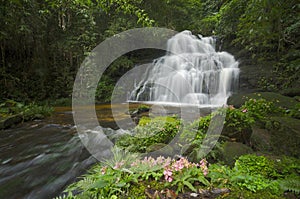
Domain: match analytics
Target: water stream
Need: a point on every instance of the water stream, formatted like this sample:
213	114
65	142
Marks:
39	159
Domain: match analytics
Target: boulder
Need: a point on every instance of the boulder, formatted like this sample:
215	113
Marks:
284	136
233	150
261	139
10	121
279	100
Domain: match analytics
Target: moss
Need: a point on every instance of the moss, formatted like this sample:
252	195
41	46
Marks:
285	135
146	120
233	150
261	139
245	194
291	92
279	100
137	190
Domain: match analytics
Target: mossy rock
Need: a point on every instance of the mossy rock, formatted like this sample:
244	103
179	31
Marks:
233	150
242	193
291	92
279	100
261	139
285	135
11	121
238	136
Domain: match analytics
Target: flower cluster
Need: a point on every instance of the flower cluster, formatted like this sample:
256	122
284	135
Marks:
179	165
150	161
203	166
118	165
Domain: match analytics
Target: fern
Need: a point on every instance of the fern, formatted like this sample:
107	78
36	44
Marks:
291	184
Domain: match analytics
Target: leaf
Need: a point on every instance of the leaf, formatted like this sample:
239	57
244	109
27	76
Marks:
121	184
99	184
189	185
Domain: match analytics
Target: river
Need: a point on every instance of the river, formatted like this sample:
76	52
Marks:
39	159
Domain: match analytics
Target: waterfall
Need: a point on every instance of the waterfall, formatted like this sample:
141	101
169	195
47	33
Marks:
191	72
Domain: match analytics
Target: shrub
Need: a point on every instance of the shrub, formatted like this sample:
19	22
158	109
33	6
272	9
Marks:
28	112
149	132
255	165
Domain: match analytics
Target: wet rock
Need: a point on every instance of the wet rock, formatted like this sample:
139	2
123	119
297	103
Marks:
238	100
291	92
233	150
284	135
11	121
238	136
261	139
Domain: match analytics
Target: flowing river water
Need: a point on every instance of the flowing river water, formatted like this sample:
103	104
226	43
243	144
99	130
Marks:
39	159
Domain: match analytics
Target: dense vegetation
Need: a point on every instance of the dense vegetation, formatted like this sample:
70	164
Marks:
44	42
236	173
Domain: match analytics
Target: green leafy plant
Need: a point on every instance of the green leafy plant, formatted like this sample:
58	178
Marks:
291	183
182	174
260	108
237	120
28	112
149	132
256	165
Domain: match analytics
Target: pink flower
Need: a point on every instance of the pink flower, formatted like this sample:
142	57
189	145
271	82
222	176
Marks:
134	164
168	172
203	166
179	164
119	165
168	175
245	110
205	172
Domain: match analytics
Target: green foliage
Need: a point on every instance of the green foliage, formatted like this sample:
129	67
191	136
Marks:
219	175
230	12
242	193
28	112
294	112
104	89
287	166
253	173
255	165
42	44
186	179
291	184
238	120
143	108
253	183
260	108
246	179
149	132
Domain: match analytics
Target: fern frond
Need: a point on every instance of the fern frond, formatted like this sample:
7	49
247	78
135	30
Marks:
291	184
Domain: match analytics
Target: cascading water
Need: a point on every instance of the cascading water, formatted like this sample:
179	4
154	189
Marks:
191	72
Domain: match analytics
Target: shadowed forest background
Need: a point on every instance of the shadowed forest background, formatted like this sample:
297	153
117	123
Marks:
43	42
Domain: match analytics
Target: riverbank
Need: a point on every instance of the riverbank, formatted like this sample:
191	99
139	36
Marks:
256	156
13	113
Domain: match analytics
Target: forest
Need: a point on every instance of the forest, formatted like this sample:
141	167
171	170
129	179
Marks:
45	152
43	43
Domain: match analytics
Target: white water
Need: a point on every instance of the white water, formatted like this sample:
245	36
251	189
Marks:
192	72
